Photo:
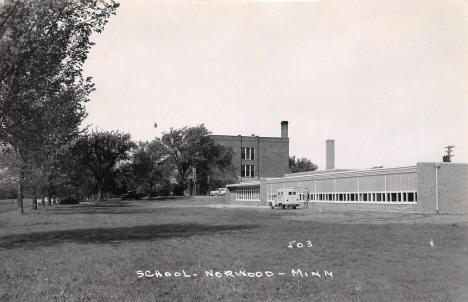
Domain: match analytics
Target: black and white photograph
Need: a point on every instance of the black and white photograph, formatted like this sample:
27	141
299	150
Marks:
234	150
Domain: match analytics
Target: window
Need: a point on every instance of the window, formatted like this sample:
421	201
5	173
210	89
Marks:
247	153
370	197
248	194
247	171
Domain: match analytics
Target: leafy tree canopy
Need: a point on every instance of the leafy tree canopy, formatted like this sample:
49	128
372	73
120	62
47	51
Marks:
149	166
301	164
189	149
43	46
100	152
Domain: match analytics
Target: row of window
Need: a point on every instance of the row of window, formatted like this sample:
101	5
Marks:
364	197
356	197
247	153
247	171
286	193
248	194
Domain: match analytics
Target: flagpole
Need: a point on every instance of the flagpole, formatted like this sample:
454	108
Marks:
155	125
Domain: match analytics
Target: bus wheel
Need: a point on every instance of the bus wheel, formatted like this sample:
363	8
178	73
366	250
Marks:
294	208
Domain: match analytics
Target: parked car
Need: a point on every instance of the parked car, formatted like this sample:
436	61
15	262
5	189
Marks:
218	192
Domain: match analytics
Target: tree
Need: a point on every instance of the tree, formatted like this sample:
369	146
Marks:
100	152
8	171
43	46
77	181
301	165
215	168
191	148
149	165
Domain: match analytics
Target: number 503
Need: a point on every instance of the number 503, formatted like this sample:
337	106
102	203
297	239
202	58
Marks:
293	244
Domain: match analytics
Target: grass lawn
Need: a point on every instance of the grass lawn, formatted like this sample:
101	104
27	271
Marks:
92	252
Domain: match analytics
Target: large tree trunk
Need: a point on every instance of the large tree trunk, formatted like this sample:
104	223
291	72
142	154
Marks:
100	189
21	189
149	189
99	192
49	199
34	202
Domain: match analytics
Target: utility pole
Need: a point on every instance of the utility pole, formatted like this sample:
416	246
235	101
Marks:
448	157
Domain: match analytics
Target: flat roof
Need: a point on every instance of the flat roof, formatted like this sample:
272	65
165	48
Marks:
244	184
350	173
223	136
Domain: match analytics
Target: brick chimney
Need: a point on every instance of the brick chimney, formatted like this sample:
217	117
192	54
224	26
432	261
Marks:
284	129
330	153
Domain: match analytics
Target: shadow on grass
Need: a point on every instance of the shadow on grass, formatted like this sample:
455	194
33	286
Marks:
113	207
116	235
105	210
103	207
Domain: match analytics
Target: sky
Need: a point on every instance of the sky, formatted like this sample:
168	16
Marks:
388	80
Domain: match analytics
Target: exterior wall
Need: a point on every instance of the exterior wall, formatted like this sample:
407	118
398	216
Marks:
319	206
231	194
452	187
263	191
274	156
271	154
373	181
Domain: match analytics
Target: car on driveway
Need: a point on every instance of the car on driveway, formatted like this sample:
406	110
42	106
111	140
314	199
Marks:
218	192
